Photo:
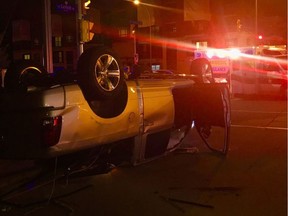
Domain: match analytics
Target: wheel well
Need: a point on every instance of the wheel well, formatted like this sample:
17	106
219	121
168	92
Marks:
110	107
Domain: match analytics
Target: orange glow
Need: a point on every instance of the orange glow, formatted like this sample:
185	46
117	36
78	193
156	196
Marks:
136	2
231	53
86	4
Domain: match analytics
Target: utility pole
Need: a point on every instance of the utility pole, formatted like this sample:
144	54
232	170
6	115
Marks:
256	18
48	60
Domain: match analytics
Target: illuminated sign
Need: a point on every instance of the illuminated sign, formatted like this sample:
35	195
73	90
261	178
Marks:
65	7
220	65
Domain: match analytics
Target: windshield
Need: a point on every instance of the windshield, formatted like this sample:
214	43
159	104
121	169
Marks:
283	61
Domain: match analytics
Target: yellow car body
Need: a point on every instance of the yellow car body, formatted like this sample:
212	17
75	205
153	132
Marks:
151	115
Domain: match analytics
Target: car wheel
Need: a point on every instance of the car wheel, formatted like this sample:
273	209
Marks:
22	74
201	70
100	74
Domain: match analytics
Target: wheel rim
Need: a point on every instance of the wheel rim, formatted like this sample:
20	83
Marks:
107	72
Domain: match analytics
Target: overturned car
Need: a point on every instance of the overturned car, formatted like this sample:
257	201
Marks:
44	116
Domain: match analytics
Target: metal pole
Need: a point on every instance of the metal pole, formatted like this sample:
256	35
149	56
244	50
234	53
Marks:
135	48
79	17
136	2
150	37
48	36
256	18
150	46
257	43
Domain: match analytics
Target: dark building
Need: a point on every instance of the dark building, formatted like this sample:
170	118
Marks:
26	32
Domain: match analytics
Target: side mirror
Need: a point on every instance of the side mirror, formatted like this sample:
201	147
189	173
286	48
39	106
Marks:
201	69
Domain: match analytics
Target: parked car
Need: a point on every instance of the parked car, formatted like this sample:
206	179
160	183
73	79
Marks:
45	116
164	72
266	75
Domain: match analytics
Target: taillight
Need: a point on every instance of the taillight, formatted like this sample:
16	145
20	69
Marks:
51	130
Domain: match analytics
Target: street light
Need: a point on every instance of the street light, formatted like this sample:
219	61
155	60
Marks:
134	45
137	2
86	4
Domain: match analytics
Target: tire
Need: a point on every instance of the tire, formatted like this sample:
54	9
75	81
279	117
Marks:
22	74
100	73
201	70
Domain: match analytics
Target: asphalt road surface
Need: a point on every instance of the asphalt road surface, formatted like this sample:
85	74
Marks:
251	180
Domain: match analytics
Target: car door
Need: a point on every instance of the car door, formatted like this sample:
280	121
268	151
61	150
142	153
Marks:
211	114
273	78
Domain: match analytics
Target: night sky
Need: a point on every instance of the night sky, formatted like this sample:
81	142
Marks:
265	7
241	7
238	7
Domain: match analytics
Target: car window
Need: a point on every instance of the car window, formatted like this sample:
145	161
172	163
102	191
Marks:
283	61
285	65
272	67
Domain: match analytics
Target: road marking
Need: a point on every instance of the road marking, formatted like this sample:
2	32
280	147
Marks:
260	127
